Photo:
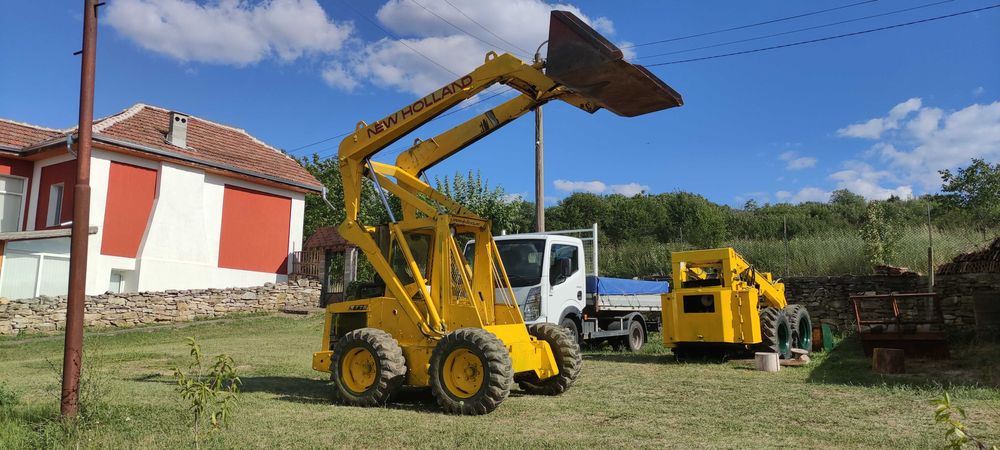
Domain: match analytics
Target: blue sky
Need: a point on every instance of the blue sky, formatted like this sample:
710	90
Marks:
878	114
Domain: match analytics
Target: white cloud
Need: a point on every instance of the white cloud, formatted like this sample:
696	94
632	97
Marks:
794	162
243	32
931	140
862	179
335	76
978	91
600	187
389	63
874	128
594	187
628	190
806	194
228	31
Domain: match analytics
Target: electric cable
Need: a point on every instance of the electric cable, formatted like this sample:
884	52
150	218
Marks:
828	38
489	44
513	45
741	27
795	31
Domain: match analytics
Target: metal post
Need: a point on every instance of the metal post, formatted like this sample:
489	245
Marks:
539	163
930	252
595	251
784	221
73	349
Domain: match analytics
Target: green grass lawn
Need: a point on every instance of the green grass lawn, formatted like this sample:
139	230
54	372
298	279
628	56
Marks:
620	399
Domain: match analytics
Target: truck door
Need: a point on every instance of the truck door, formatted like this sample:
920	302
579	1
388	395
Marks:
566	280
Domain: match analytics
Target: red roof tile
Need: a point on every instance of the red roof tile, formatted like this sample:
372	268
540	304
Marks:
208	141
327	238
18	135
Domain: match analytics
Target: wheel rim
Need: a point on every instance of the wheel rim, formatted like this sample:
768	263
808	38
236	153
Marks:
358	370
784	344
636	337
463	373
805	334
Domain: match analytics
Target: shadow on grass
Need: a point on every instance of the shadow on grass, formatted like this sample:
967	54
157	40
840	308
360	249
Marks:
306	390
633	358
969	368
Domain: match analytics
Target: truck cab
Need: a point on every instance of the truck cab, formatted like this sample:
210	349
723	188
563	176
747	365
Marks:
554	279
547	274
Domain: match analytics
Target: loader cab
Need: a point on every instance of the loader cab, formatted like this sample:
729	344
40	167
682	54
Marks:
546	273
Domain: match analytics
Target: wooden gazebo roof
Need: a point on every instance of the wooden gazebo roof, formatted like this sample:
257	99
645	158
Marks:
327	238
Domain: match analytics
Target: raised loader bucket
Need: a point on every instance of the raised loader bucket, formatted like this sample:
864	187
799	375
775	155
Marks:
593	68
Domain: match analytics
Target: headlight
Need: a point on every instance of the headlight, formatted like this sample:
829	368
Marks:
533	304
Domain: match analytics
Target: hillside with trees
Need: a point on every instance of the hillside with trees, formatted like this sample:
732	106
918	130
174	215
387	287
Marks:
846	234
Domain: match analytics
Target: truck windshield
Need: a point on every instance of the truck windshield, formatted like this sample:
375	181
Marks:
522	259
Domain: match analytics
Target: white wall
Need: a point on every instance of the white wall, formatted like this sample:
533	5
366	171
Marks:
180	249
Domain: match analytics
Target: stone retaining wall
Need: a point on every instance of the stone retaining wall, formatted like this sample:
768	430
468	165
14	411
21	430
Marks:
827	297
48	314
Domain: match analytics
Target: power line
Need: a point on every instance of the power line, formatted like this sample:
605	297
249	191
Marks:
319	142
526	52
795	31
828	38
401	41
741	27
490	44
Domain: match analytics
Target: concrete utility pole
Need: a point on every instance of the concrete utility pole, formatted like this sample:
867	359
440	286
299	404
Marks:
73	350
539	172
539	161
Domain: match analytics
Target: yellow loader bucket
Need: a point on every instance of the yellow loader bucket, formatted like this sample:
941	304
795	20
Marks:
593	68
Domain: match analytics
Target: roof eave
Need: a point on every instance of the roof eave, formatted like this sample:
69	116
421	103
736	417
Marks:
191	159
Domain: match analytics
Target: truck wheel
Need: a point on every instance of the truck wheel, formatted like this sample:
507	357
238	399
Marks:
566	351
368	367
470	372
776	336
570	325
636	336
800	325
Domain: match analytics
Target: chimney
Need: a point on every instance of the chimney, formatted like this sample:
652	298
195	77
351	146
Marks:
178	129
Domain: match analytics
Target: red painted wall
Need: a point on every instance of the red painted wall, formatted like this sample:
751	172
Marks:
64	172
19	168
131	191
255	228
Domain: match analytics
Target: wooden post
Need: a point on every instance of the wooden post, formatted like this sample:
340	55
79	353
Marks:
767	362
887	360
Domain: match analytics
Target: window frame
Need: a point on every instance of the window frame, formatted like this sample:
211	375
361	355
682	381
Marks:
23	203
55	221
574	259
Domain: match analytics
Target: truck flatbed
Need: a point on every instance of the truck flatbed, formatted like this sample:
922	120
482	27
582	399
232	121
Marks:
620	294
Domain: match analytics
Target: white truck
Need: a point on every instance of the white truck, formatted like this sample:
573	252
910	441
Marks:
554	283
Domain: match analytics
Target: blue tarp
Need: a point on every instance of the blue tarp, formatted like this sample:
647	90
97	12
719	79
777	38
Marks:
621	286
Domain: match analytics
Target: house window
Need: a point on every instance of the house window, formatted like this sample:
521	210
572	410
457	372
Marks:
55	205
11	203
116	284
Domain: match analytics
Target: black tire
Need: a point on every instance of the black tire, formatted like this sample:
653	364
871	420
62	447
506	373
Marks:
774	332
495	379
800	325
566	351
574	330
636	336
388	368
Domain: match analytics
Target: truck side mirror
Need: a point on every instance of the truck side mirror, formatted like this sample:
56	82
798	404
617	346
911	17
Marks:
563	269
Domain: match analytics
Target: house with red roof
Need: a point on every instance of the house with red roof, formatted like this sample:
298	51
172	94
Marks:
177	202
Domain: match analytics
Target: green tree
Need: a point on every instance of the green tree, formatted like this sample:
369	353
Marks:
473	192
880	233
976	189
